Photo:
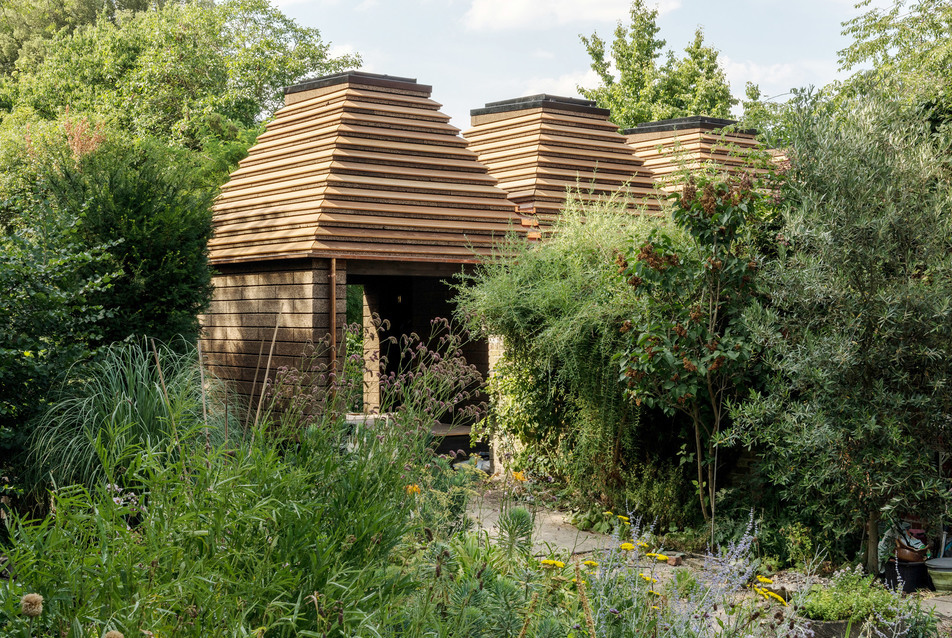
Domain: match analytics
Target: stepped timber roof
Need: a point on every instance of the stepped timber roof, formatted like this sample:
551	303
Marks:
671	147
360	166
542	146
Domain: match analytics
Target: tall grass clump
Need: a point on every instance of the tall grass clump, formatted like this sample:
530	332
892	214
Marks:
135	397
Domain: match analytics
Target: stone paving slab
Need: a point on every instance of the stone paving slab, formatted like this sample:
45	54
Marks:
552	531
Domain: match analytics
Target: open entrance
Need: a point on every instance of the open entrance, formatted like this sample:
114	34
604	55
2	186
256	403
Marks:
405	304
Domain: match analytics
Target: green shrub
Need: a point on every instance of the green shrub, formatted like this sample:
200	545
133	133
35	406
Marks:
47	320
142	202
850	596
660	493
558	305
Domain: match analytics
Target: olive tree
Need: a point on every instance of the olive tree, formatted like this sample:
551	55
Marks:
856	415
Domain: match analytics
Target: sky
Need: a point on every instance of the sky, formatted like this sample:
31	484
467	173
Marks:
477	51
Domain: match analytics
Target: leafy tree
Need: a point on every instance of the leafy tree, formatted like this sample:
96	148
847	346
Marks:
26	24
688	350
642	91
857	414
906	48
182	73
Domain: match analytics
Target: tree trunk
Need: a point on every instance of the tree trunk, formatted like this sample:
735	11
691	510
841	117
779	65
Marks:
872	543
700	469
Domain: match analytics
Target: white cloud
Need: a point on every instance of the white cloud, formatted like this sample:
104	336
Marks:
563	85
778	78
337	50
543	54
498	15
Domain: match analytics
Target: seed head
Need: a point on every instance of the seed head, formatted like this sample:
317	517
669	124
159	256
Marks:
31	605
113	634
689	193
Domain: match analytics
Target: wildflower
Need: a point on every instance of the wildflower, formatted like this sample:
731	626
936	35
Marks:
763	579
642	544
584	582
31	605
650	554
623	518
647	578
769	594
608	513
412	489
591	563
548	563
653	592
519	476
661	558
655	607
627	547
614	611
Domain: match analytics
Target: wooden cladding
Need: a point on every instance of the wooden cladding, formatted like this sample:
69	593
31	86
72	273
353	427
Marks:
541	148
360	166
671	148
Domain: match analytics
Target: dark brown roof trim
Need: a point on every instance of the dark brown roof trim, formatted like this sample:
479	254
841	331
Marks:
683	123
541	100
362	78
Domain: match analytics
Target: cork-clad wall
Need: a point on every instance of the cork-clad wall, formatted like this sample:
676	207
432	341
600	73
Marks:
359	165
542	146
668	148
358	174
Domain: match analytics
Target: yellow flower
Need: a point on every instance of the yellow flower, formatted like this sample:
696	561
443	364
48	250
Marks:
412	489
584	582
648	578
607	513
777	597
624	518
628	547
519	476
650	554
661	557
653	592
642	544
591	563
764	579
655	607
548	563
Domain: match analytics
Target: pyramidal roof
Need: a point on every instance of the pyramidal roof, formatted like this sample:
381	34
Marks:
360	166
542	146
669	148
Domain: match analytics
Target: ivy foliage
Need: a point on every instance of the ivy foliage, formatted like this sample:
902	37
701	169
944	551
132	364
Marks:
642	90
